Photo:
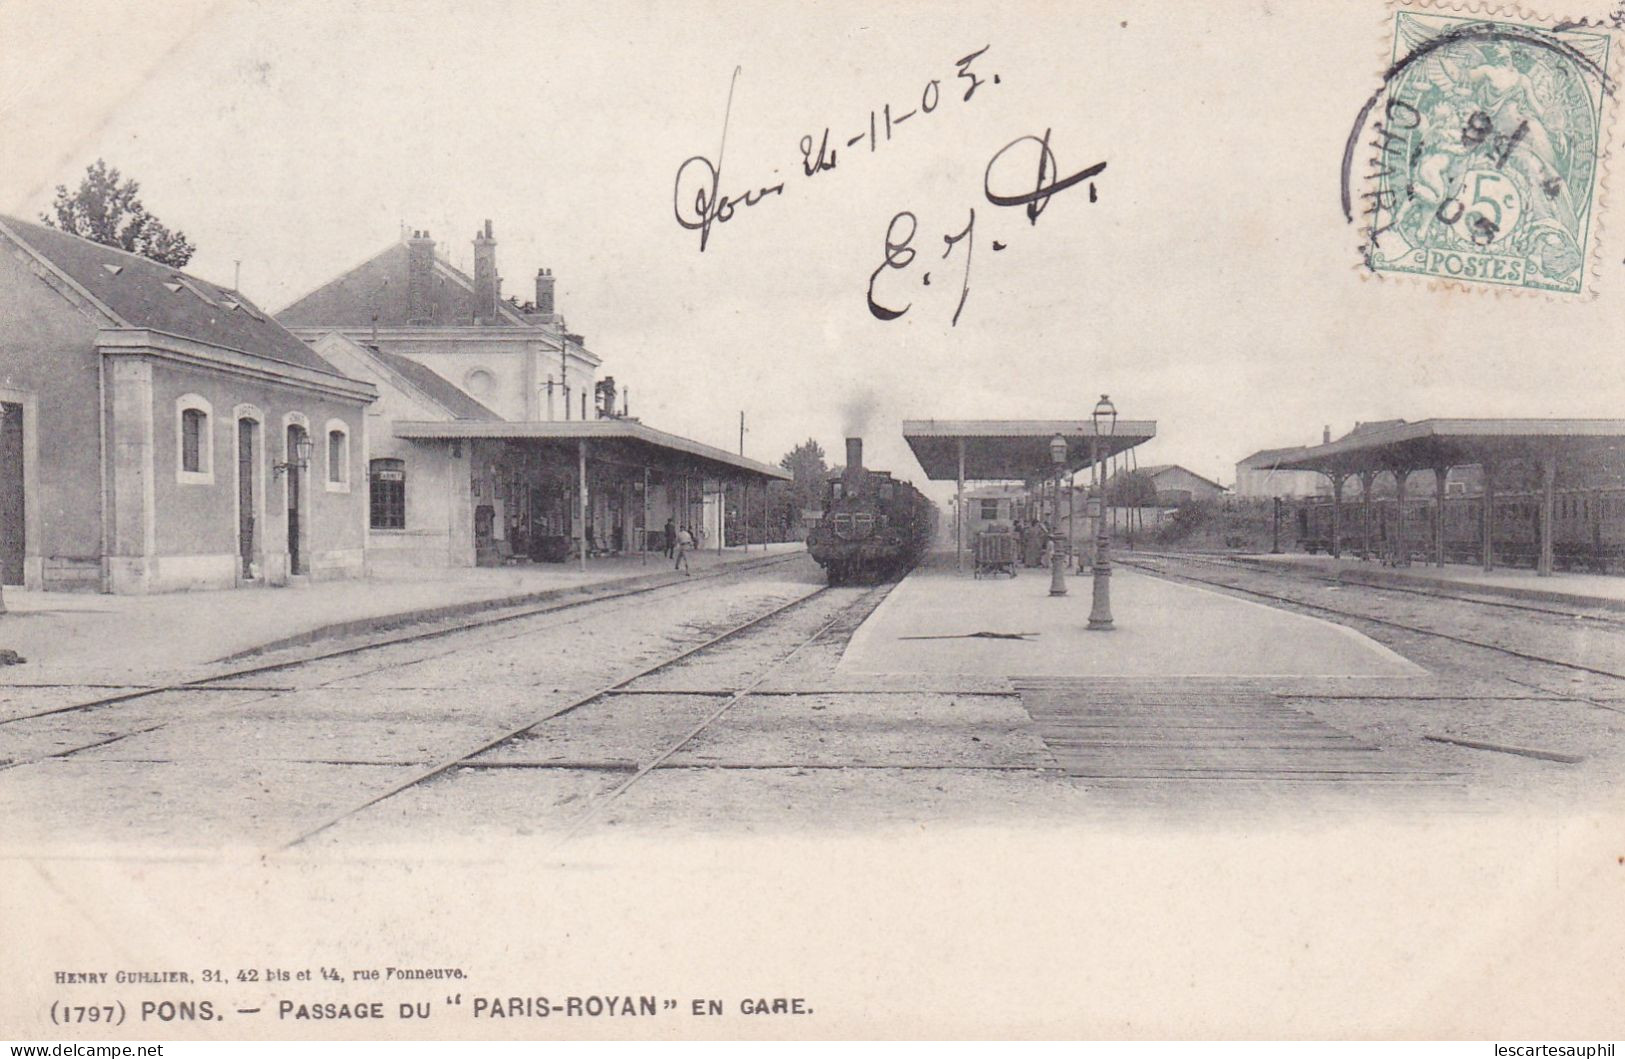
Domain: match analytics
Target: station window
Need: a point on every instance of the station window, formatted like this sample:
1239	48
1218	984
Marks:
387	494
990	510
192	421
194	442
338	456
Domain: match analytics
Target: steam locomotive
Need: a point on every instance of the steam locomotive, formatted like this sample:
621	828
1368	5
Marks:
873	526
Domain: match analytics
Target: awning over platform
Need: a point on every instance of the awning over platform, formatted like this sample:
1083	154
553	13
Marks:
1013	449
1398	448
1435	443
629	432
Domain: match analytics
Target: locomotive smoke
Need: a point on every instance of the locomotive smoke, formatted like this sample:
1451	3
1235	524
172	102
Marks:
856	412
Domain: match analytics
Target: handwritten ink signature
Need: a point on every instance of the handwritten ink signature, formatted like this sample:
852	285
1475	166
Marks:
699	182
904	225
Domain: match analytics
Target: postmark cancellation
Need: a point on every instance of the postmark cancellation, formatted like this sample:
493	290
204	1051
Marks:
1490	135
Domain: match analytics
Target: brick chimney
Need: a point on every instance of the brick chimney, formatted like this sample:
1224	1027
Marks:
1326	435
419	279
544	291
486	285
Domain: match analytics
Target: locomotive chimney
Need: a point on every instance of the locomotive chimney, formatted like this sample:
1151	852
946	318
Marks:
854	454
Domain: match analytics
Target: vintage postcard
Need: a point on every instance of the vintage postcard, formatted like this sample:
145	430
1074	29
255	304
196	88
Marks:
681	520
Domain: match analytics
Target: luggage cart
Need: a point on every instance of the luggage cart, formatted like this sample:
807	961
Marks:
996	553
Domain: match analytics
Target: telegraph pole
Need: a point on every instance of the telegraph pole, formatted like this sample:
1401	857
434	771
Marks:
741	433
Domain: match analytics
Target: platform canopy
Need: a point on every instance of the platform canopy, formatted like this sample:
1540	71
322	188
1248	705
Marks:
1444	443
629	436
1401	448
1013	449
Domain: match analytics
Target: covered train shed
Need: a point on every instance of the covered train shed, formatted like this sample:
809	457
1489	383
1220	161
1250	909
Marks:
961	450
592	487
1533	452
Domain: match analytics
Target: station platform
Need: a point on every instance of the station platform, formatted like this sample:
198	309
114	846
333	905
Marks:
80	636
1162	630
1599	591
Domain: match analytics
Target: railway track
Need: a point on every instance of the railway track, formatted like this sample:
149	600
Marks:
216	681
466	758
1157	570
1302	574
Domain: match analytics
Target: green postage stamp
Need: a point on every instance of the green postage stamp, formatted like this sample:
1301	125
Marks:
1489	137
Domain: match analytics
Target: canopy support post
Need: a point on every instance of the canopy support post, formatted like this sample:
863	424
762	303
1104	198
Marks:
1440	477
1548	497
959	511
581	494
1337	514
1402	547
1367	480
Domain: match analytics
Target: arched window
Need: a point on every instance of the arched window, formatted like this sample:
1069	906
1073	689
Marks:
194	441
338	456
193	424
387	494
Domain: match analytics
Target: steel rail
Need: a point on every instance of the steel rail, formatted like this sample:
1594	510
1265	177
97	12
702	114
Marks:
1313	575
1388	622
448	764
207	683
594	810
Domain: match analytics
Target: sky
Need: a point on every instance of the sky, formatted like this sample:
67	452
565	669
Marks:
1205	278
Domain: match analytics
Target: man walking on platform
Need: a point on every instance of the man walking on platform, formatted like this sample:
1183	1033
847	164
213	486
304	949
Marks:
685	544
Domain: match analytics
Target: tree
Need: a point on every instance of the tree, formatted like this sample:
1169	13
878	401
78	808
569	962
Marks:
1131	489
107	209
805	490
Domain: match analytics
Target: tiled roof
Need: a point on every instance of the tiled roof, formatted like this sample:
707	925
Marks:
146	294
1264	457
441	391
378	286
1155	469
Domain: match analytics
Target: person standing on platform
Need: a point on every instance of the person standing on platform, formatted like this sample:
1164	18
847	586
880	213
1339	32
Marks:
685	544
1032	544
671	537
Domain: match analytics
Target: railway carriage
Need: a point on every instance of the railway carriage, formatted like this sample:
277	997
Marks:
1588	528
873	525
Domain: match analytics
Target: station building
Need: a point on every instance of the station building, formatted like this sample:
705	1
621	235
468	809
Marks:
518	360
493	441
1171	484
162	432
1261	476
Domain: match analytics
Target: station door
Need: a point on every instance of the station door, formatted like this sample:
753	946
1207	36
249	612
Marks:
13	543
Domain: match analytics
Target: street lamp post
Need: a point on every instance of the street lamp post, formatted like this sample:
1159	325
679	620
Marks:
1100	613
1057	561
